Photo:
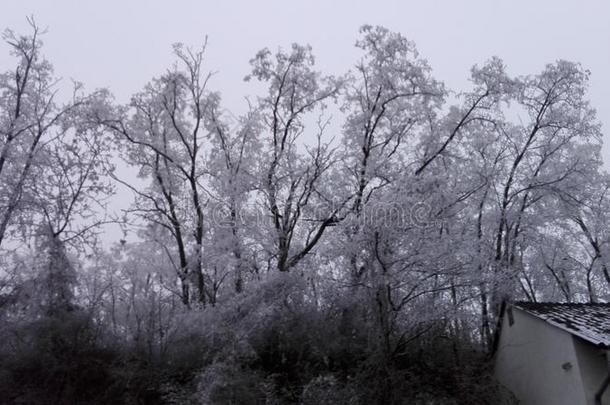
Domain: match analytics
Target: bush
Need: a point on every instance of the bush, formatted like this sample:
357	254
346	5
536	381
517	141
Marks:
328	390
270	345
58	360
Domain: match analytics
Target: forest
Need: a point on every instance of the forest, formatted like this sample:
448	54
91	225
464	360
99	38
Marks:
348	239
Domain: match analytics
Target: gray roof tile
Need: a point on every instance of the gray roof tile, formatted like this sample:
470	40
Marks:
590	322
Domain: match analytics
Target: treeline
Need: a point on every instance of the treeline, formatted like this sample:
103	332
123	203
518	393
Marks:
348	240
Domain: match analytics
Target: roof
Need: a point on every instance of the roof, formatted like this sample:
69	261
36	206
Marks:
590	322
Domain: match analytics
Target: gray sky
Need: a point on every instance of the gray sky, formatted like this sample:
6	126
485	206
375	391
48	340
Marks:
121	44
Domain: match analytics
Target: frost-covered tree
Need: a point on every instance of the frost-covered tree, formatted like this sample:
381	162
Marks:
295	198
48	159
164	130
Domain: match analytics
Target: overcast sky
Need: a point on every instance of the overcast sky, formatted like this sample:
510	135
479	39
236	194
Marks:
121	44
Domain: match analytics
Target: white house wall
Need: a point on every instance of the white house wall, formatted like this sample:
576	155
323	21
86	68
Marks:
593	368
537	362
